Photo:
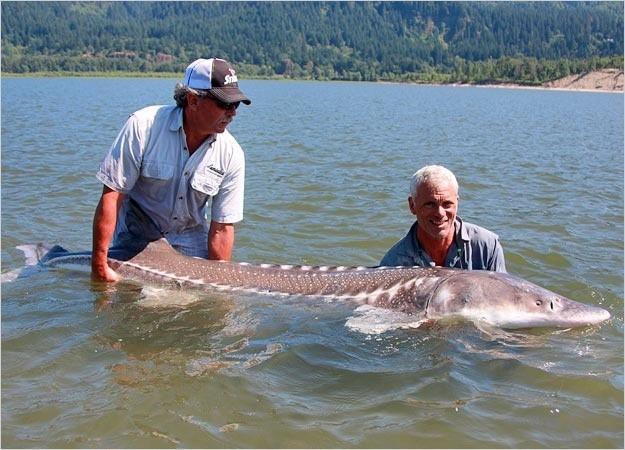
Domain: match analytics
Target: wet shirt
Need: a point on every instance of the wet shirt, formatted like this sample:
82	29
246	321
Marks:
149	161
473	248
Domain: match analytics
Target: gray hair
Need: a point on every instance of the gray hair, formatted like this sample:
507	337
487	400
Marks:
181	91
432	175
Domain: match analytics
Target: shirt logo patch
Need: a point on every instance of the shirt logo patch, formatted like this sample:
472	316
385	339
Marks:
216	170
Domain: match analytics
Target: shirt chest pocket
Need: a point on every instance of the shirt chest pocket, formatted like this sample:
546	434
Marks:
157	173
206	183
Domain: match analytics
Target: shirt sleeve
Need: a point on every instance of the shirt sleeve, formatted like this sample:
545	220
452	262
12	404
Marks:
389	259
399	255
227	204
498	262
120	168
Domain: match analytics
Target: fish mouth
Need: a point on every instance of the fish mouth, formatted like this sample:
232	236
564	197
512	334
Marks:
588	317
582	314
597	316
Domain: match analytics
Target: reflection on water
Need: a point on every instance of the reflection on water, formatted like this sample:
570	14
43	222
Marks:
88	365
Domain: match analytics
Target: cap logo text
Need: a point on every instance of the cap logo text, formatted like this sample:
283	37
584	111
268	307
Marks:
232	78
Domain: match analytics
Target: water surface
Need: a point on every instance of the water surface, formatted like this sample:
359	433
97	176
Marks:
328	166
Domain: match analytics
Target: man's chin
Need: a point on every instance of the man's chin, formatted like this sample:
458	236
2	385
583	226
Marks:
221	128
440	233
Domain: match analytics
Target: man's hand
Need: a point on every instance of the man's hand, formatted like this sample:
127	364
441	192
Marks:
104	272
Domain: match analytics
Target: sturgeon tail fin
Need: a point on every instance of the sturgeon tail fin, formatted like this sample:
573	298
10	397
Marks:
35	256
39	253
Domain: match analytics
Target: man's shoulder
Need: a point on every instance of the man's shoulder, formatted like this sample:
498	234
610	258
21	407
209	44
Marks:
401	253
154	114
487	251
153	110
228	144
478	233
227	138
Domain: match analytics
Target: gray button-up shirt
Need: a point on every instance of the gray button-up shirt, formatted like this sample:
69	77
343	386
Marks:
473	248
149	161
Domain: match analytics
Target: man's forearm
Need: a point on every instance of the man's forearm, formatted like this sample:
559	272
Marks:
220	241
104	222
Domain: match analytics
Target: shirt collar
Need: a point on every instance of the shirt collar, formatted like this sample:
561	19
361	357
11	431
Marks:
175	124
415	251
175	120
464	233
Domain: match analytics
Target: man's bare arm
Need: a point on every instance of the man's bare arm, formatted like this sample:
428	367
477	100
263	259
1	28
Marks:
220	241
104	222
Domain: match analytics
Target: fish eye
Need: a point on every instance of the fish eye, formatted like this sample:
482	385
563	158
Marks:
539	302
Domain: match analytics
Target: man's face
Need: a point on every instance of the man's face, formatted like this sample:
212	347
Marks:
214	116
435	206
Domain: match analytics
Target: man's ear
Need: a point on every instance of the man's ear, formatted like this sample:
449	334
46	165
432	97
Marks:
192	99
412	206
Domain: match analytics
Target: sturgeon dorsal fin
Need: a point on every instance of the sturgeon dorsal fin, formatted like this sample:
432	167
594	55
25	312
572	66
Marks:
156	250
160	245
45	253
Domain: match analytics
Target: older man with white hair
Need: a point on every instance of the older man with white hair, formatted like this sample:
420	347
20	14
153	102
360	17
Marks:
439	237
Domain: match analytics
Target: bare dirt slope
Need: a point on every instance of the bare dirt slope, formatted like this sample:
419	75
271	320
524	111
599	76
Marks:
603	80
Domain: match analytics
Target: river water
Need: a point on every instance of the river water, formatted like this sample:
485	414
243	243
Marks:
328	166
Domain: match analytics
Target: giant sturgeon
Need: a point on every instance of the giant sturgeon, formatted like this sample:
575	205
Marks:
430	293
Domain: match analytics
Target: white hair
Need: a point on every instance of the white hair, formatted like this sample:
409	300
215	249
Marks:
432	175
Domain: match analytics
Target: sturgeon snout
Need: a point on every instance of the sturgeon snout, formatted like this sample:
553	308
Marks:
509	302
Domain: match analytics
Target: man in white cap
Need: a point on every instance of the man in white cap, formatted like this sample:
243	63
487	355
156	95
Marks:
167	165
439	237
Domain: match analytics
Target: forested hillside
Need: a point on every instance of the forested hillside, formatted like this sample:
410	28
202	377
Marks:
527	42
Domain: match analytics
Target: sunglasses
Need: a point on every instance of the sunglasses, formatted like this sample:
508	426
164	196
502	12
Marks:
223	105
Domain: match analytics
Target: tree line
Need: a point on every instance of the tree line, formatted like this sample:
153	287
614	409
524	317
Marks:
525	42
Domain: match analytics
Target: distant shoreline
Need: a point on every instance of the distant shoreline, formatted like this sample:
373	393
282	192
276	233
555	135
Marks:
537	88
605	80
